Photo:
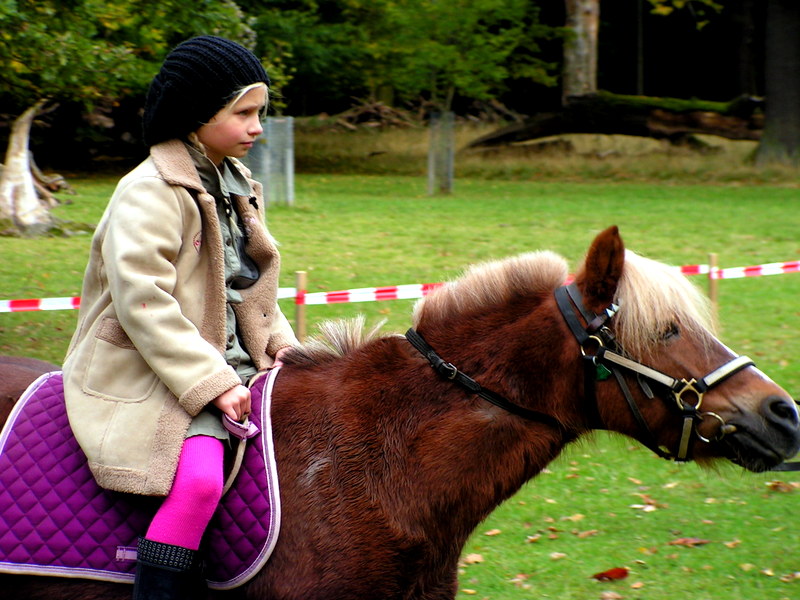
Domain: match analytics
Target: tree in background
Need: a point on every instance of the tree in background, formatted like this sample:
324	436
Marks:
91	51
439	50
780	142
339	50
316	50
580	49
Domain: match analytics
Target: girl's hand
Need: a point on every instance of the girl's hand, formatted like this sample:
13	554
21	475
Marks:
235	402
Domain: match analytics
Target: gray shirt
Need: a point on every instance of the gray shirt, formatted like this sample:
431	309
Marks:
240	271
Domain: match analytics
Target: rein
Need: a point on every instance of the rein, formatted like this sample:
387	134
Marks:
451	372
608	359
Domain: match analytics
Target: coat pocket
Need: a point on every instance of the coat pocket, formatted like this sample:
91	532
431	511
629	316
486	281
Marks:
116	370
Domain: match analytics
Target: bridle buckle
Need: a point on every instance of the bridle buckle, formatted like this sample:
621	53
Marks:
690	387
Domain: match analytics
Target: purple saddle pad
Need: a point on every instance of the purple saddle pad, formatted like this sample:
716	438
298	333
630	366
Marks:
57	521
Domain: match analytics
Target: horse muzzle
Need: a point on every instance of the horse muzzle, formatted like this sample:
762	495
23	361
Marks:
761	439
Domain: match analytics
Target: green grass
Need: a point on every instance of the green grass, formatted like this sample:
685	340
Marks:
350	231
585	516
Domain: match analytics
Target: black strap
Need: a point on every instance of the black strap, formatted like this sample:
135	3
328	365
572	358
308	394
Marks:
564	295
449	371
787	466
565	306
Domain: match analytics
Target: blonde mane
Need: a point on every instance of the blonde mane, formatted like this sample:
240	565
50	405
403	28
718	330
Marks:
492	283
652	296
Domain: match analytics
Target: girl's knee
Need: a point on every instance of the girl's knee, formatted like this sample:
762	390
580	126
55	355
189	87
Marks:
204	488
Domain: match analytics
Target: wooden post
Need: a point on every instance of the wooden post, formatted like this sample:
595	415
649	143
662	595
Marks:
441	153
713	286
300	305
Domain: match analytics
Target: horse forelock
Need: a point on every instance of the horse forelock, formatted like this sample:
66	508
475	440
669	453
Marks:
492	283
653	297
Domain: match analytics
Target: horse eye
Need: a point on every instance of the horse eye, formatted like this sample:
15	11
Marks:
672	331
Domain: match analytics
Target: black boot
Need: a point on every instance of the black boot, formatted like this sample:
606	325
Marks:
166	572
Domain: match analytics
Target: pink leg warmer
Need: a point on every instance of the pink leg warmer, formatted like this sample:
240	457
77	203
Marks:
195	494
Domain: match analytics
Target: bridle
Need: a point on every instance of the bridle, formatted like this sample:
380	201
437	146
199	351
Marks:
603	357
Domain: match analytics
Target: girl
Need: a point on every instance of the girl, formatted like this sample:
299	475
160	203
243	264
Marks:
179	307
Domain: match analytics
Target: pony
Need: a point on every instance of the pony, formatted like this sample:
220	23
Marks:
391	449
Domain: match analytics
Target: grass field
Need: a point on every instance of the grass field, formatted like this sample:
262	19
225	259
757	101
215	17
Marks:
683	532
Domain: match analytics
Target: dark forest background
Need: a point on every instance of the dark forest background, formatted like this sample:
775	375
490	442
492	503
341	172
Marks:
684	54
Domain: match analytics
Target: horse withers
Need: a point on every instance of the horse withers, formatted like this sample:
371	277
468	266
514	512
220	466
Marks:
392	449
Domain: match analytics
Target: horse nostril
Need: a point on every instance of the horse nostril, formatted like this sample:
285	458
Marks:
782	409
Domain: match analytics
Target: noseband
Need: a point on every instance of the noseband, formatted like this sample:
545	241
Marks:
603	357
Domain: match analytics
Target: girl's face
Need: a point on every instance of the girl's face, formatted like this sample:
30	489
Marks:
233	129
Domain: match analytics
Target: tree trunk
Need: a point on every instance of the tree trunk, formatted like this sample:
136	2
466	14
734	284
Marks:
781	140
746	13
660	118
19	202
580	50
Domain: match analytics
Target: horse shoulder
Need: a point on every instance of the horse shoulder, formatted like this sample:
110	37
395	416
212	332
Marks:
16	374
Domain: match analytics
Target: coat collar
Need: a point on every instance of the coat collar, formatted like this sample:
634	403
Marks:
173	162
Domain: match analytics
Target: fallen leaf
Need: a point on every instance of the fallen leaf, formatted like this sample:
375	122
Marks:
649	501
643	507
493	532
634	480
469	592
471	559
781	486
637	585
574	518
689	542
611	574
610	596
531	539
732	544
789	578
557	555
585	534
768	572
747	567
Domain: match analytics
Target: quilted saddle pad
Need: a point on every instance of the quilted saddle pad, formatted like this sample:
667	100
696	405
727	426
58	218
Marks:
57	521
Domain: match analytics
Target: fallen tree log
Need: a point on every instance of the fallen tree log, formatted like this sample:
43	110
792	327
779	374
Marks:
677	121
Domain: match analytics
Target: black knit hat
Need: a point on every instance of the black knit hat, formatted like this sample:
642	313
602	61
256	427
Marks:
197	79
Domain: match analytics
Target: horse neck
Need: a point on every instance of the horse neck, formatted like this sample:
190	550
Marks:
467	456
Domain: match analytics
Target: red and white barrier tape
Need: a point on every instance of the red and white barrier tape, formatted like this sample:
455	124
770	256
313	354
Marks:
39	304
393	292
757	270
404	292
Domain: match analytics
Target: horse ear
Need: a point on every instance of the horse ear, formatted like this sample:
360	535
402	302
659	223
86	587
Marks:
602	269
